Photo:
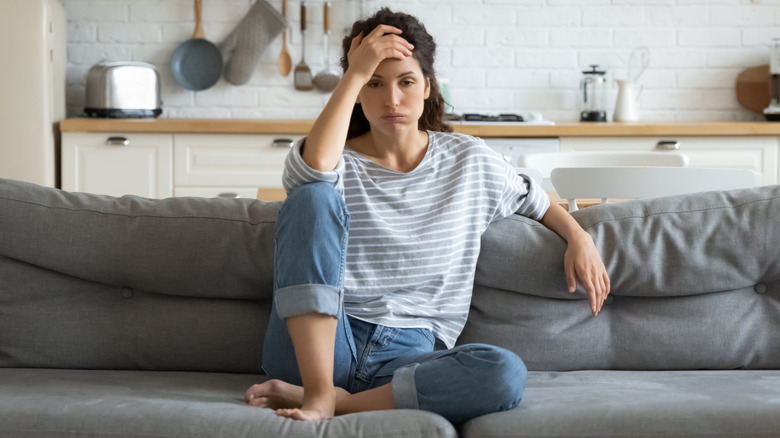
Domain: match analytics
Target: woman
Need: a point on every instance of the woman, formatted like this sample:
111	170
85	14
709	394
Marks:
377	246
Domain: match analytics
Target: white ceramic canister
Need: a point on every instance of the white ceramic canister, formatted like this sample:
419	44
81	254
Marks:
627	105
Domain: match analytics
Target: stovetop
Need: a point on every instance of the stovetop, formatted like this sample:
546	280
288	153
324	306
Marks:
499	119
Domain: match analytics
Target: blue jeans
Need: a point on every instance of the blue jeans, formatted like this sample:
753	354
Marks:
311	244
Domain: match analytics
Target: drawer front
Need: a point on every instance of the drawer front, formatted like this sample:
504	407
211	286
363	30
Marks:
118	164
758	154
213	192
230	160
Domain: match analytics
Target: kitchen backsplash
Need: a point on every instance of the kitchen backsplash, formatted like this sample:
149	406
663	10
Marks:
498	55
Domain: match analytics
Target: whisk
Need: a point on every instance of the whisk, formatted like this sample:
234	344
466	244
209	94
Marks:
638	61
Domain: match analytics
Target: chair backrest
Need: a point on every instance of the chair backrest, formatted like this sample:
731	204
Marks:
546	162
534	174
627	182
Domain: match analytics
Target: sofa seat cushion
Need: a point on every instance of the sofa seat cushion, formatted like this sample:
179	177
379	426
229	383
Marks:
640	404
77	403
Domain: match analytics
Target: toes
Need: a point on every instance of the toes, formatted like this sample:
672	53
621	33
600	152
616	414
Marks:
301	415
251	392
259	402
286	413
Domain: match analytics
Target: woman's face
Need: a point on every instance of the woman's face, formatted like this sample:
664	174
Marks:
393	98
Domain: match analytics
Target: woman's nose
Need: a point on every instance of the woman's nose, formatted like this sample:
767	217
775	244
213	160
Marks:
393	96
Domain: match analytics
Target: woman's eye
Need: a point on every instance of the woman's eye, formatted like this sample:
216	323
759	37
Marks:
372	84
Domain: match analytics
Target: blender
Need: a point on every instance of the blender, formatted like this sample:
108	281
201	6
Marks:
593	104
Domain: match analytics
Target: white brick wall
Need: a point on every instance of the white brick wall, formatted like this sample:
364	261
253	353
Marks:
499	55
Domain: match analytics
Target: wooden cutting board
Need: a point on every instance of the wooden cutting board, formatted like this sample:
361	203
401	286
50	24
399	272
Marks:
753	88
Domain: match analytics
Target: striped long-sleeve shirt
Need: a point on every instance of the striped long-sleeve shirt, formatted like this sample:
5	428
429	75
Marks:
414	237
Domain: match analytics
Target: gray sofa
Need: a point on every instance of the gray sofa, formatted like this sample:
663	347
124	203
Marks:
130	317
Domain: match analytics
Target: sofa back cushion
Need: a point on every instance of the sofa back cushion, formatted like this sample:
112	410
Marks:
695	285
90	281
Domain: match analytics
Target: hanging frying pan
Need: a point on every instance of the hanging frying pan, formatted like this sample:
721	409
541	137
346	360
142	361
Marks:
197	63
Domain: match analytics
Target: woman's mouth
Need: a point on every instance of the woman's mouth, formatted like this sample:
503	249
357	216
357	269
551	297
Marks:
394	117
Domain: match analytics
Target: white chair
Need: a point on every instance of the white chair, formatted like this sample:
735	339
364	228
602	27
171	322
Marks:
574	183
534	174
546	162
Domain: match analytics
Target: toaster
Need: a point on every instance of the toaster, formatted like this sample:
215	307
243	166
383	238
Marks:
123	90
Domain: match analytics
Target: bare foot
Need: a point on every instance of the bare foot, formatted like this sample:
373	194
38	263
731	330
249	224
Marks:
274	394
315	407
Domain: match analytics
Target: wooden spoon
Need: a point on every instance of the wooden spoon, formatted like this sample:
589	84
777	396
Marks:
284	64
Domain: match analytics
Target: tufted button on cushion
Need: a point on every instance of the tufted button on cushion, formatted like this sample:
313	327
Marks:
127	292
760	288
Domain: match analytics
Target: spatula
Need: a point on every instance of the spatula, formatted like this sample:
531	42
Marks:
302	72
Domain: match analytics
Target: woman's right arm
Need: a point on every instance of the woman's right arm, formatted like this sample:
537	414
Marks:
325	142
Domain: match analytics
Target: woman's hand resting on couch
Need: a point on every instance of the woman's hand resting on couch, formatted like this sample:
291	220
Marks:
582	262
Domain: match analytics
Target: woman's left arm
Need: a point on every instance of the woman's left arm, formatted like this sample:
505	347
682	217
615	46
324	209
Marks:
582	261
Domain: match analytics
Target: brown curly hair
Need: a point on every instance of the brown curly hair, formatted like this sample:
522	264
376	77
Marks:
424	51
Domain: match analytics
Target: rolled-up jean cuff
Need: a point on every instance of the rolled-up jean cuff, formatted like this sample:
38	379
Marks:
307	298
404	388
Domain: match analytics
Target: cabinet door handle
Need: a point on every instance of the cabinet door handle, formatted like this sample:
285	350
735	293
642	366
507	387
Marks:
228	195
282	143
667	145
118	141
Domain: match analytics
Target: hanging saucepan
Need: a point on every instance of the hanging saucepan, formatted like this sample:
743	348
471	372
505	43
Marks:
197	63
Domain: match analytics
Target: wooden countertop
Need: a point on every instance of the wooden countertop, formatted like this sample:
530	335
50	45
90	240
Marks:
560	129
272	194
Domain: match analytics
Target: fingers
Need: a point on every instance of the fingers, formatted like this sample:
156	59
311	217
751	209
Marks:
571	277
383	29
583	265
595	283
381	43
356	41
391	46
380	31
594	297
400	45
599	289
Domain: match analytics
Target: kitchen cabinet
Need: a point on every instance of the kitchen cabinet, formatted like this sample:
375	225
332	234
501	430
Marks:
210	157
756	153
163	165
213	164
118	164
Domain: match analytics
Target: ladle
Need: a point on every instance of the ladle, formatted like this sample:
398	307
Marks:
327	79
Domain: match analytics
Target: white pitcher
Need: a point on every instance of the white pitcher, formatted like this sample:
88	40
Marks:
627	105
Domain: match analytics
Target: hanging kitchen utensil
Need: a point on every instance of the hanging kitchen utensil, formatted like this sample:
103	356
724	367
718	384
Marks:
197	63
327	79
302	74
638	61
244	46
284	64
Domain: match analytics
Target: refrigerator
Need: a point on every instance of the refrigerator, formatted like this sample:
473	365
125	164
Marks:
32	89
